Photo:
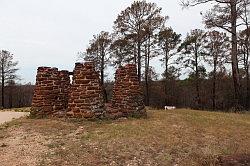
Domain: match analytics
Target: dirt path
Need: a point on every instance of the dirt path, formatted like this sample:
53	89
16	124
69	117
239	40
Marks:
8	116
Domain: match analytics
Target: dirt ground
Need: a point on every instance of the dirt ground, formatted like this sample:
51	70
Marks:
8	116
176	137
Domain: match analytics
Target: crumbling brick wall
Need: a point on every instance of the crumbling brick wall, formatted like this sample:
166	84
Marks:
86	94
51	91
84	97
127	97
63	95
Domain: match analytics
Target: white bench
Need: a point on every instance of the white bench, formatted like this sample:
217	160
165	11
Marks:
170	107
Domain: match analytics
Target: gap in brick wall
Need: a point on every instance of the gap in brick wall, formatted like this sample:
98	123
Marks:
71	79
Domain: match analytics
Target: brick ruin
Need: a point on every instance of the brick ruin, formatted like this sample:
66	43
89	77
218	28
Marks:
54	95
86	95
127	96
51	91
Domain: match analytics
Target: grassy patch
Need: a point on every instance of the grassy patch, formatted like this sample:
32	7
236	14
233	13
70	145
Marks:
13	123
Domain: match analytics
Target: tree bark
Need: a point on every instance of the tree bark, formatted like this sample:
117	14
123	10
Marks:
147	59
247	42
105	96
139	60
235	69
214	83
247	76
166	73
146	82
2	85
248	90
198	100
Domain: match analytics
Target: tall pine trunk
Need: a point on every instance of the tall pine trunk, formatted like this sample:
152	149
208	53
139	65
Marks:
146	81
166	75
105	96
248	90
139	60
197	83
247	42
147	61
247	76
235	69
2	68
214	84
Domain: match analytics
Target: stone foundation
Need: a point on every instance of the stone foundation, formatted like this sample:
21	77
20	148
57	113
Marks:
54	95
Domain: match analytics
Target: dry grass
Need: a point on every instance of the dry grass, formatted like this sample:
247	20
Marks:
183	137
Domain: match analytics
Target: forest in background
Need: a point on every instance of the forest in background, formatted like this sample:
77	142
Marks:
215	60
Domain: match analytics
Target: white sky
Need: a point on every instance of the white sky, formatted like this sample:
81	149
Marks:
52	32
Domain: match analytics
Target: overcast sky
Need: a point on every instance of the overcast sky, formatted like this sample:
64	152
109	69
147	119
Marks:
52	32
